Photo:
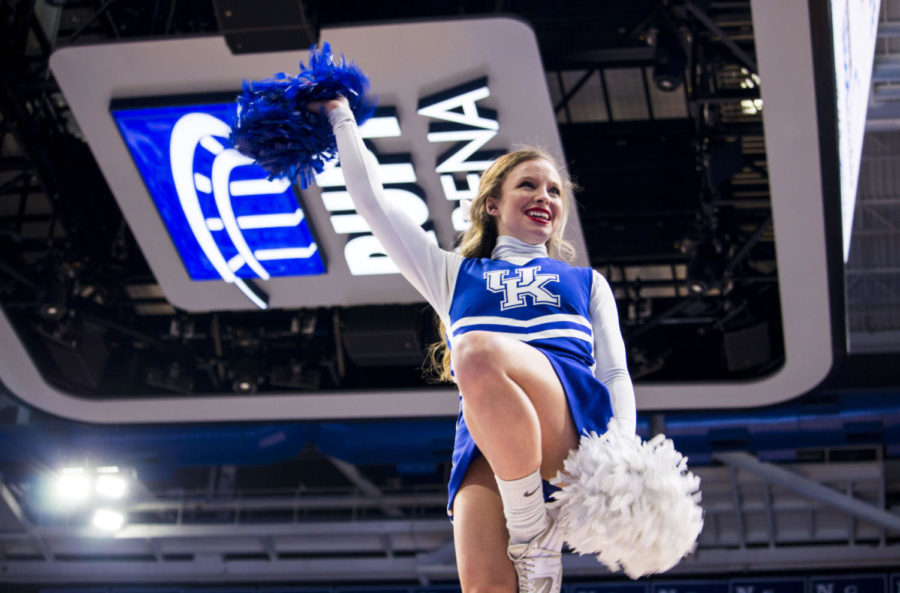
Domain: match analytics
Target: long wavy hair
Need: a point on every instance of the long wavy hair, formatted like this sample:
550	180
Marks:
481	237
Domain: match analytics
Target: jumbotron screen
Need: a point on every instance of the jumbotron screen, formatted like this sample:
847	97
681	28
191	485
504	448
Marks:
224	216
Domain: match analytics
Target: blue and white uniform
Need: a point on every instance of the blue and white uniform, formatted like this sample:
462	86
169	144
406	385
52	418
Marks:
567	313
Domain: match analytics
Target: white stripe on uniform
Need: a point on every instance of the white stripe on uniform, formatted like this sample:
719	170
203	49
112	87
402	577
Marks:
547	333
494	320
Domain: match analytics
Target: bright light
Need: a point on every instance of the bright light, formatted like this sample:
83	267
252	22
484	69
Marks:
72	487
751	81
108	520
108	469
751	106
111	486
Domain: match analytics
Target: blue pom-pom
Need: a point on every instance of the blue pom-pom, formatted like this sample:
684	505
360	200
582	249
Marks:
274	127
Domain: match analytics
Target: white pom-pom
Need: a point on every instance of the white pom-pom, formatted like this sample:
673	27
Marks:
633	503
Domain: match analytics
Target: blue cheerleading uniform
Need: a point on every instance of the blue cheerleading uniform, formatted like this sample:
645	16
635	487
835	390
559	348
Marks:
567	313
546	304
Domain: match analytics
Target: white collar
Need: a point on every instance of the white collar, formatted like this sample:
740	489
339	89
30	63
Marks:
508	247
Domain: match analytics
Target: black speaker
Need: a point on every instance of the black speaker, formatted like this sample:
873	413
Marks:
80	356
251	26
383	336
747	348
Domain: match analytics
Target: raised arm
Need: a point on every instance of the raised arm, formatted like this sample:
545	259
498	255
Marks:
609	352
430	269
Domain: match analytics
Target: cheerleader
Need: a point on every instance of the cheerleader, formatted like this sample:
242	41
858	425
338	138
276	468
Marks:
534	347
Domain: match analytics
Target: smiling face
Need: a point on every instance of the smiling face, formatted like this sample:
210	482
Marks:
530	205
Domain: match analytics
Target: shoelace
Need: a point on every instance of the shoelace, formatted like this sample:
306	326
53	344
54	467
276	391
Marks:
531	583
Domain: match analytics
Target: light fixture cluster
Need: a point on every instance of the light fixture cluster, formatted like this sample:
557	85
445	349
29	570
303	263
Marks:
99	489
751	81
751	106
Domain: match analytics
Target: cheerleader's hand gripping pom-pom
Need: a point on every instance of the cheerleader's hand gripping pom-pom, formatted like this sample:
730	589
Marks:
274	127
634	504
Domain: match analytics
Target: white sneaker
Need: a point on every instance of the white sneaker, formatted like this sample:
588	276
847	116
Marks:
539	562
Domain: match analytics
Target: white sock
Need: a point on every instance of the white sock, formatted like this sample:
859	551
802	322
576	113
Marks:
523	506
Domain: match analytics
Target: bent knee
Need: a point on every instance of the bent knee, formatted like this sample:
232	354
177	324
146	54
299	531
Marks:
476	353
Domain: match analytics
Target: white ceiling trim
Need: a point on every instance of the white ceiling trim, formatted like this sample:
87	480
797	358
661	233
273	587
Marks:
784	55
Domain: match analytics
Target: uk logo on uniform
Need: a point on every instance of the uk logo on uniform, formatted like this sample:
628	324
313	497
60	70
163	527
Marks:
527	282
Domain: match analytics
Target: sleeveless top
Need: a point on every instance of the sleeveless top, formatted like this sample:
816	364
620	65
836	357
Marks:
544	302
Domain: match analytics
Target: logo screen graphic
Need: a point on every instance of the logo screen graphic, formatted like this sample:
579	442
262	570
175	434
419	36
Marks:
227	220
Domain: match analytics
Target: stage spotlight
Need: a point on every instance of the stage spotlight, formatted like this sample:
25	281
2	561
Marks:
244	376
53	310
72	486
108	520
704	269
55	298
669	59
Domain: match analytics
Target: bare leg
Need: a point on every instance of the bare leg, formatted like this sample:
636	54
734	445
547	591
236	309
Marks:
479	534
513	404
517	414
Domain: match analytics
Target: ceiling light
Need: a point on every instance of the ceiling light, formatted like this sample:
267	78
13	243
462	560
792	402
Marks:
669	59
108	520
751	106
72	487
704	269
244	375
111	486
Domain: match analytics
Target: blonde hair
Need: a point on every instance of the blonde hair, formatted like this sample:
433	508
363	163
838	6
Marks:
481	237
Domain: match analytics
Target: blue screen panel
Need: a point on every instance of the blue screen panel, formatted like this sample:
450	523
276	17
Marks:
690	587
780	585
848	584
226	219
609	587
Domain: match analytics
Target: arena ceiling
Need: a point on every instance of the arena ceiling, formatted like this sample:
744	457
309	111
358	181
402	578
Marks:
677	210
706	208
